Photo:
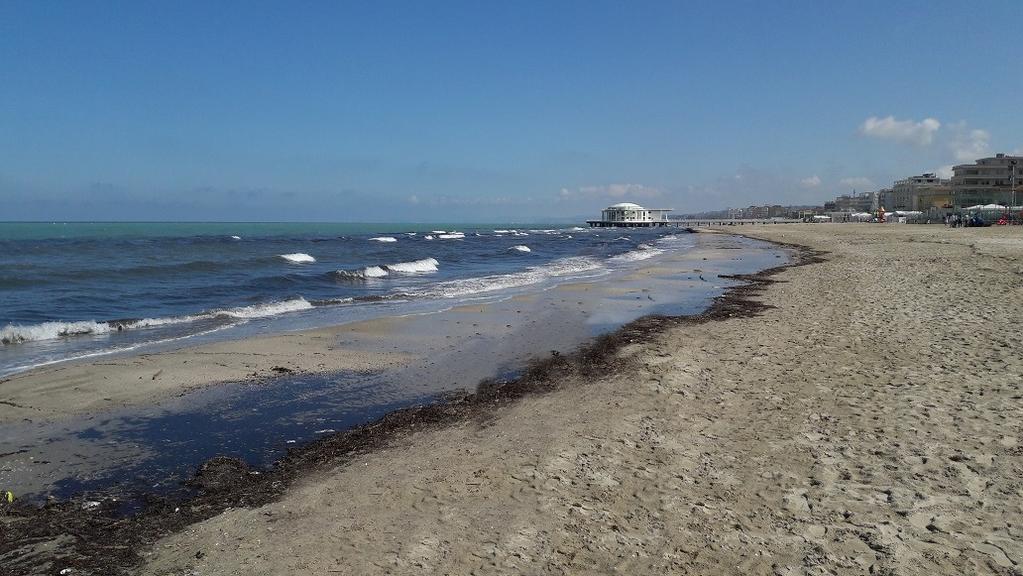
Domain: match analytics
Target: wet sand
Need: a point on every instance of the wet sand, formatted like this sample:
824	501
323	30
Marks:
861	415
145	423
87	387
108	383
870	422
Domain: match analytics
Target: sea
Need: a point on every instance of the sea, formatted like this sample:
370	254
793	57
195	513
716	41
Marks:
74	290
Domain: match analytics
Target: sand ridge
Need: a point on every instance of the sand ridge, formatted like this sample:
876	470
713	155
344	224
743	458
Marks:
869	423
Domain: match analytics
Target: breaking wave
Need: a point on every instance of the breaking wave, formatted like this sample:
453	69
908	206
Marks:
532	275
424	266
16	334
298	258
384	239
264	310
637	255
521	248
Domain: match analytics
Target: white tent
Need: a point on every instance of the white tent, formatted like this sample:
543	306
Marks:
861	215
980	207
822	218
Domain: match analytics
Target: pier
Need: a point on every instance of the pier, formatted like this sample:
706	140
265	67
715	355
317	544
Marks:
707	222
690	223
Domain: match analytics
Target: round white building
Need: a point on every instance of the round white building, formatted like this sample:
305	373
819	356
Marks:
630	215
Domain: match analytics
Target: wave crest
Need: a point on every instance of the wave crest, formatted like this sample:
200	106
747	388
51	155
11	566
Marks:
265	309
533	275
424	266
298	258
16	334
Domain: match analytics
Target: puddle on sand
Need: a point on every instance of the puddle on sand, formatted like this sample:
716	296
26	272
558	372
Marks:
255	423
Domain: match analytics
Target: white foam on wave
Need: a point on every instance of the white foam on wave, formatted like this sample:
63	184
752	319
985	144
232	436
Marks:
16	334
451	236
533	275
265	309
424	266
236	237
154	322
521	248
438	231
428	237
298	258
636	255
109	351
384	239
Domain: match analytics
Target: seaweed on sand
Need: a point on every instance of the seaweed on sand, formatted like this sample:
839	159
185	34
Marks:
90	537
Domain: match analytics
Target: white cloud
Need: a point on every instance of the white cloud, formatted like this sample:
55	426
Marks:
888	128
969	144
611	191
810	182
859	183
944	171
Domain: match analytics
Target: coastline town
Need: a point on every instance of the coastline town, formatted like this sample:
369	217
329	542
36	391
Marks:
471	288
988	191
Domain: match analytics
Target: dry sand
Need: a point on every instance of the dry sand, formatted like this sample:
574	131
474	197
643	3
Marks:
869	423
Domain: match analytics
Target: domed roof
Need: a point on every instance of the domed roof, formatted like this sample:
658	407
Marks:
627	206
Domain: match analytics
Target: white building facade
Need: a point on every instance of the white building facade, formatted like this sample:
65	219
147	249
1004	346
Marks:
627	214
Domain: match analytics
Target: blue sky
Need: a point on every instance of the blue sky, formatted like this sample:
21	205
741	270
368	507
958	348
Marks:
424	111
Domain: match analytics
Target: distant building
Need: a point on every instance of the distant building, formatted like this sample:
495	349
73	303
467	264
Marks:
987	181
851	202
923	193
757	212
627	214
886	199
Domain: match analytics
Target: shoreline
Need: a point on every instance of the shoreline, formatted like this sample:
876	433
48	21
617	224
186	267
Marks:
84	387
224	483
867	420
840	422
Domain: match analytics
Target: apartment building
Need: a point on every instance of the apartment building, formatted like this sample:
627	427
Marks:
988	181
923	193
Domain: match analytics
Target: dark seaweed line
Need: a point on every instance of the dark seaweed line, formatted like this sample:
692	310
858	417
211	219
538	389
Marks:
104	542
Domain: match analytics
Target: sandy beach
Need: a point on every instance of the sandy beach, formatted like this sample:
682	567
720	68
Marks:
867	421
84	387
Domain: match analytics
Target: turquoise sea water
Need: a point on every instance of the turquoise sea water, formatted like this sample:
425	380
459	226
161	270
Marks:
72	230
